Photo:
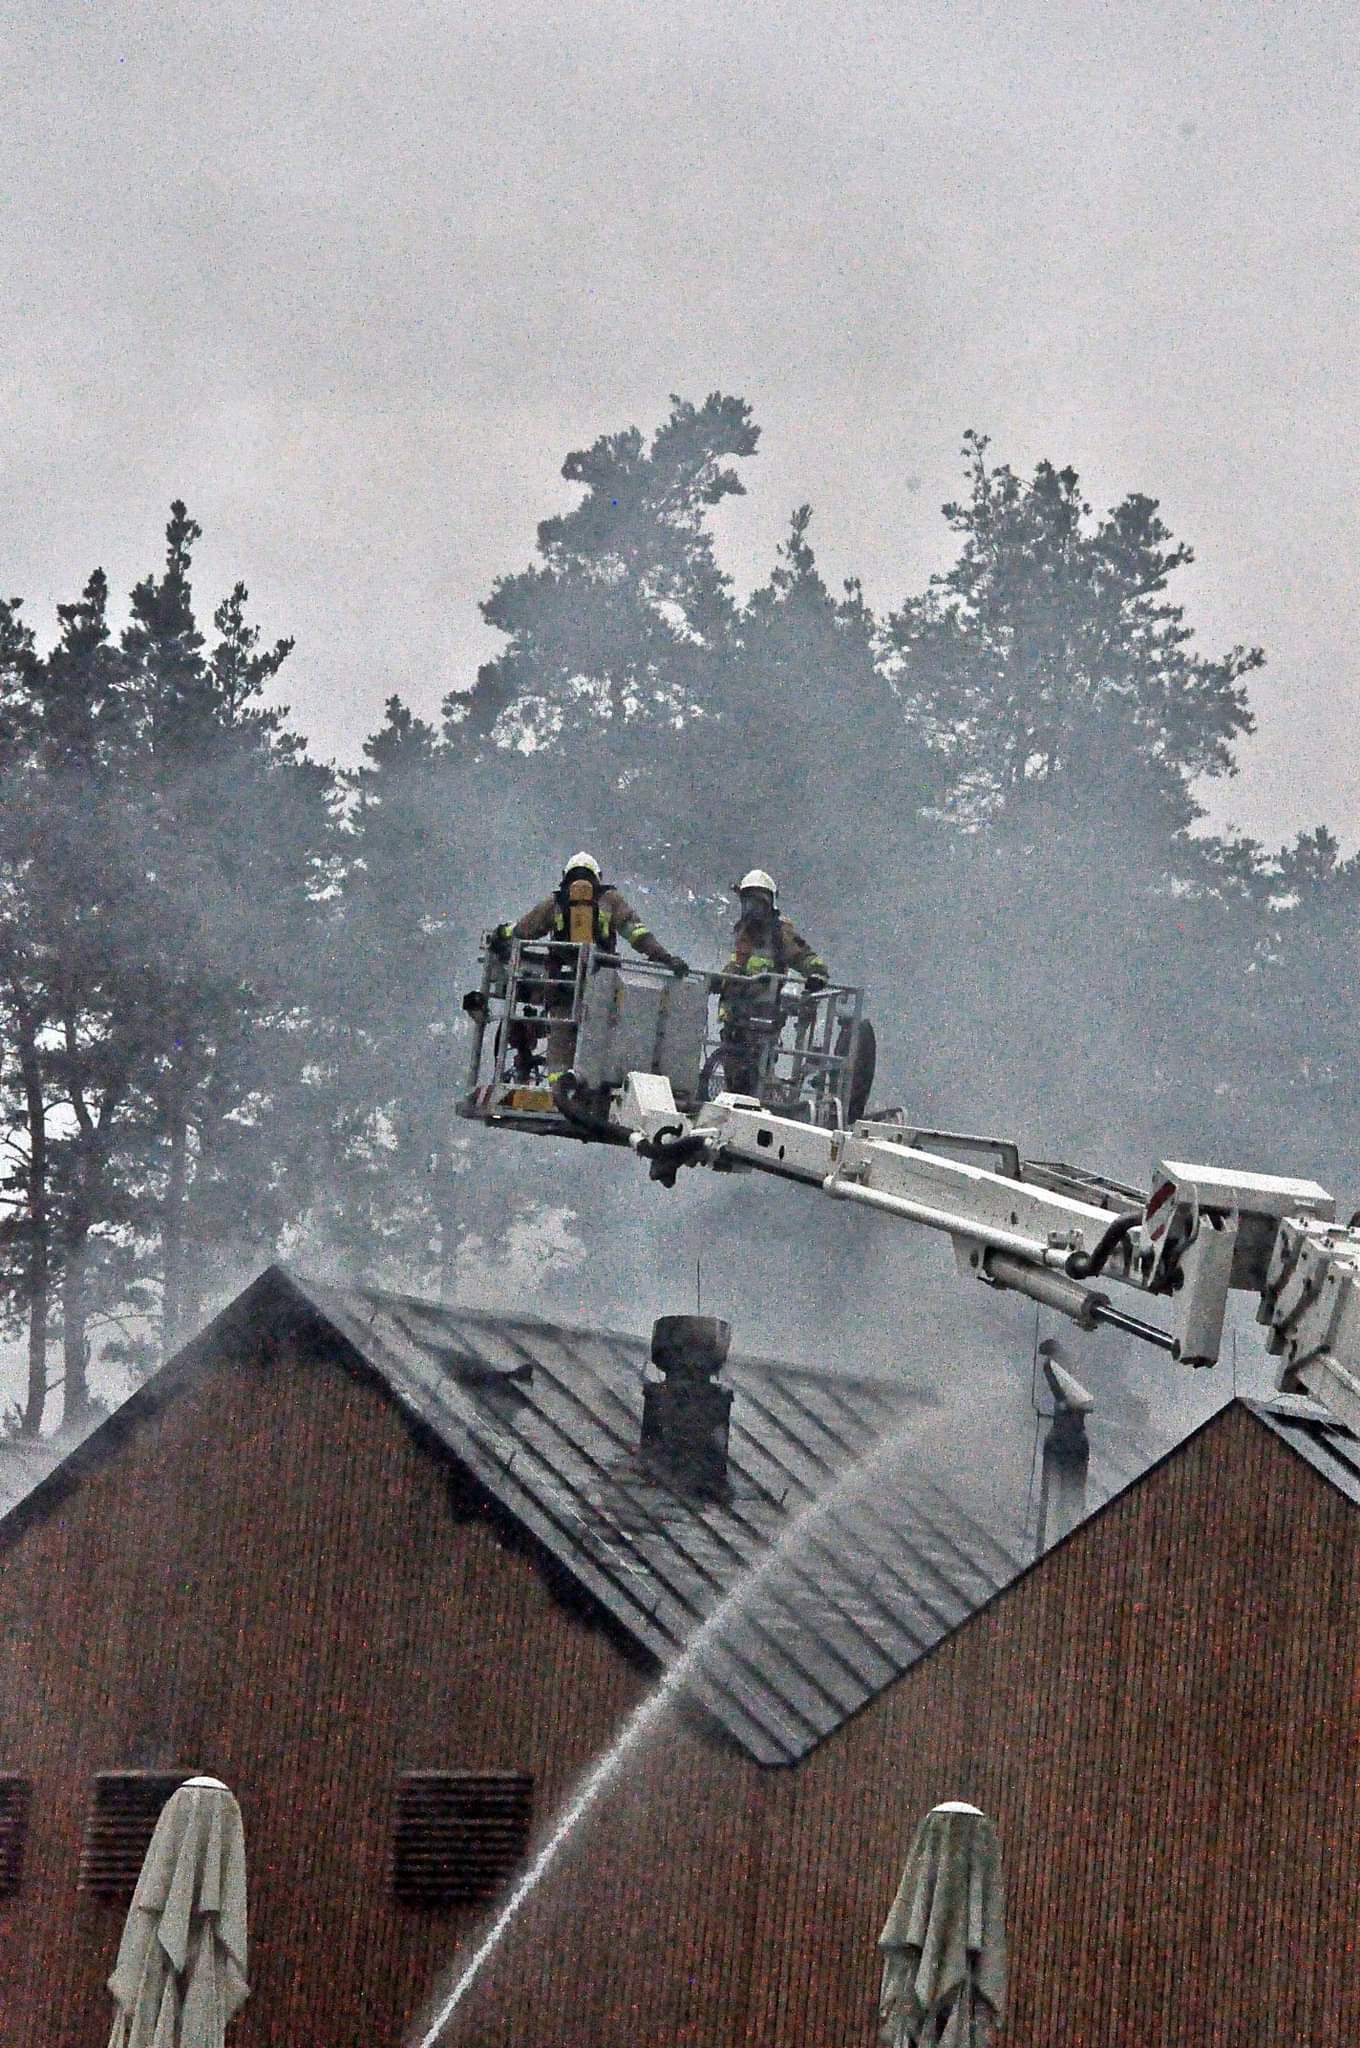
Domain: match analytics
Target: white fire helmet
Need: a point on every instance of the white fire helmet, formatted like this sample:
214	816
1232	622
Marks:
583	860
756	878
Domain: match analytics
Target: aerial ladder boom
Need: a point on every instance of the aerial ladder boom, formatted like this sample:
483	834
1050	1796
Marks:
1058	1234
1051	1232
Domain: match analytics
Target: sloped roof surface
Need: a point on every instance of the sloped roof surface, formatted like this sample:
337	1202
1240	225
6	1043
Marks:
842	1551
839	1599
1318	1438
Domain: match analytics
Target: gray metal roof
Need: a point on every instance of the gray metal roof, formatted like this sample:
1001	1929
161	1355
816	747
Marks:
1315	1434
840	1598
861	1535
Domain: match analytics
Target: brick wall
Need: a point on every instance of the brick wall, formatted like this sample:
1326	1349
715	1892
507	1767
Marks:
273	1579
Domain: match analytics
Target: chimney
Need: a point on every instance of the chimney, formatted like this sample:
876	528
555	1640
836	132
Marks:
1067	1451
686	1414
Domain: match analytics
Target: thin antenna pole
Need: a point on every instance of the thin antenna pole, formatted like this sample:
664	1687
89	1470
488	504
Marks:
1038	1423
698	1283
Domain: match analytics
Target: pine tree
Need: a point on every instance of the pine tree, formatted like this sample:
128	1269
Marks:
401	933
616	633
161	860
1048	669
234	832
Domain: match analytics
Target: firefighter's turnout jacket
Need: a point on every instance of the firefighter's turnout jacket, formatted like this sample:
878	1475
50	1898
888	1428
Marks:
772	948
596	919
615	917
748	1006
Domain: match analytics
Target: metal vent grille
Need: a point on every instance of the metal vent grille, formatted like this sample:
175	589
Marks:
15	1793
459	1834
119	1827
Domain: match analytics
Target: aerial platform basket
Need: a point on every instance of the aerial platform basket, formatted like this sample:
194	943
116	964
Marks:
550	1006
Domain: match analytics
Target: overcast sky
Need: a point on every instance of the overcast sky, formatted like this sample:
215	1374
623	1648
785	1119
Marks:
353	280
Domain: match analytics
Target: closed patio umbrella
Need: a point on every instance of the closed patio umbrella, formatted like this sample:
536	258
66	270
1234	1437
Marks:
181	1970
944	1944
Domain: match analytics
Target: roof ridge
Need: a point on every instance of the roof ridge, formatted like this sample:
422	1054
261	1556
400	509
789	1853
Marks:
873	1587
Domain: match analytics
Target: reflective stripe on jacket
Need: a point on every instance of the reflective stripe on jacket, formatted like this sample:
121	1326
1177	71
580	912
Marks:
772	949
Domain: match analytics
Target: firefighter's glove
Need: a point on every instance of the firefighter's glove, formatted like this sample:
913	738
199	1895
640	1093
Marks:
676	964
813	982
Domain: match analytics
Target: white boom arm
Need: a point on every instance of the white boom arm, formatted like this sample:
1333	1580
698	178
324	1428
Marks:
1047	1231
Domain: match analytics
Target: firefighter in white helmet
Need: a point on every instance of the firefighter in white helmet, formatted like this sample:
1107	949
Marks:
583	910
765	948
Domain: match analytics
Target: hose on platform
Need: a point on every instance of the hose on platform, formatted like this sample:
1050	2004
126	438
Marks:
671	1148
1085	1265
594	1129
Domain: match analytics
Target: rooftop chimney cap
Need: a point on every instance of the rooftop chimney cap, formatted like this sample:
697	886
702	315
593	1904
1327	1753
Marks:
693	1346
686	1413
1069	1393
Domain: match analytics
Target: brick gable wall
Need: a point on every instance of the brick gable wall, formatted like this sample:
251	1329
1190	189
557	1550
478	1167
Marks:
272	1578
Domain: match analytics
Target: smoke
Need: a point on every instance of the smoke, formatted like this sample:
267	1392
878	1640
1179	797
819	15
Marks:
1007	1000
1059	983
